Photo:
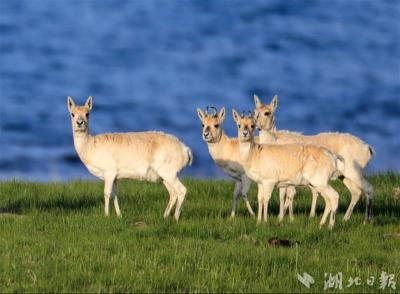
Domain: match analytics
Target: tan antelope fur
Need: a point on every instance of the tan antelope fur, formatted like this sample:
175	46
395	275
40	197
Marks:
147	156
225	153
287	165
355	152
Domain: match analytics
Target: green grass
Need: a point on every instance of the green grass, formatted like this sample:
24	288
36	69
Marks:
54	237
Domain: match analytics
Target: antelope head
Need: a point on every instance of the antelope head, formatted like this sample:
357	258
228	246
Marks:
211	120
79	114
245	124
264	114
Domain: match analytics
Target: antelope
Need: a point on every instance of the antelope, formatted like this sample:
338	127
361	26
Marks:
287	165
355	152
150	156
225	153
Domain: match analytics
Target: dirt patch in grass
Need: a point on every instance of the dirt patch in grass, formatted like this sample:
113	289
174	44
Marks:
276	242
394	235
10	213
140	225
396	193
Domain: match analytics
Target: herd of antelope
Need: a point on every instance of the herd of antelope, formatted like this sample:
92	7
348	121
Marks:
274	158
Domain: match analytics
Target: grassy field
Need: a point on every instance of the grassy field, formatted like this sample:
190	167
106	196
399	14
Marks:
54	237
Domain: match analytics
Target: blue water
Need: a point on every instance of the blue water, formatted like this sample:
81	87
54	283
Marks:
149	64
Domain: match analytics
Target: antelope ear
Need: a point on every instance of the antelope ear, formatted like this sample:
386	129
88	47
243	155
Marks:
70	103
257	101
221	114
235	115
200	114
89	103
274	102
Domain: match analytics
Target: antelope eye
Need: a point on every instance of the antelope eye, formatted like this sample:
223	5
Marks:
238	126
73	114
87	114
267	113
252	126
216	126
202	125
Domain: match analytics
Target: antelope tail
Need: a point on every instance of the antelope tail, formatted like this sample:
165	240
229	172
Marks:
340	163
189	155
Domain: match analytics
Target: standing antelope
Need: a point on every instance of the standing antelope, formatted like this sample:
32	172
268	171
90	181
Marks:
225	153
147	156
287	165
355	152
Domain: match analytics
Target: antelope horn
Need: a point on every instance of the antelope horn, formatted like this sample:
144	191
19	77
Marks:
247	113
214	110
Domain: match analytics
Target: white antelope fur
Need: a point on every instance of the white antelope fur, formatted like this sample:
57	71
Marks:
287	165
147	156
353	150
225	153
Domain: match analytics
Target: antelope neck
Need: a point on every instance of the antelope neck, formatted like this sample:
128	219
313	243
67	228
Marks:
266	136
80	141
245	149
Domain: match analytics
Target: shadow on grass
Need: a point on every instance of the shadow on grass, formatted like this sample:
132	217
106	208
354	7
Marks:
69	204
388	212
10	210
19	206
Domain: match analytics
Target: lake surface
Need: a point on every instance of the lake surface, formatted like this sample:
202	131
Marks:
148	64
